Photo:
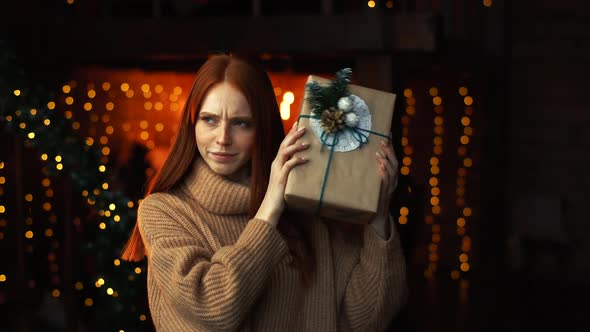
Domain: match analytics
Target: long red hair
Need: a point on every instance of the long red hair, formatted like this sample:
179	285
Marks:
248	77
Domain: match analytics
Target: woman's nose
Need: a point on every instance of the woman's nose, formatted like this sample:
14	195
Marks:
224	135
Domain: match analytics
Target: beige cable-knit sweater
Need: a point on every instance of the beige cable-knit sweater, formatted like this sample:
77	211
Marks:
212	269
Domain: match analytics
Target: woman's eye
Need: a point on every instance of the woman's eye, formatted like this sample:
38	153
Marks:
207	119
241	123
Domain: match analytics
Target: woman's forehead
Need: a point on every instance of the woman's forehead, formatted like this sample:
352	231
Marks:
224	99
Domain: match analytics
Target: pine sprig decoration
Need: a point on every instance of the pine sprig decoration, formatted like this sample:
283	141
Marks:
321	97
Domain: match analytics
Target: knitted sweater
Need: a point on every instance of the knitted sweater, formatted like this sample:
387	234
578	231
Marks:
210	268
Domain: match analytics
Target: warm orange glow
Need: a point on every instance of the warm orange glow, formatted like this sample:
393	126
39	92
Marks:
410	110
405	120
69	100
437	150
434	201
434	161
433	91
407	161
435	191
467	212
488	3
455	274
468	100
285	109
408	93
389	4
437	100
435	228
404	211
465	121
467	162
371	4
463	91
433	181
436	209
124	87
468	131
437	140
405	170
463	258
436	238
439	130
110	106
461	222
408	150
402	220
464	267
434	170
91	94
438	120
464	140
404	141
66	88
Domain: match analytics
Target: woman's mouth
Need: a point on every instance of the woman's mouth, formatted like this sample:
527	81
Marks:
222	156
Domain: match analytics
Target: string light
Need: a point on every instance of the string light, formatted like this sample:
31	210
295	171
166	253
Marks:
432	213
465	211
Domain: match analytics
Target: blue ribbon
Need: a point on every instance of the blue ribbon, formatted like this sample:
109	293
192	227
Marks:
357	133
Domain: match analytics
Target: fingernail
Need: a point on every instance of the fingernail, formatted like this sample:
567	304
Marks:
305	144
382	143
302	129
378	155
294	124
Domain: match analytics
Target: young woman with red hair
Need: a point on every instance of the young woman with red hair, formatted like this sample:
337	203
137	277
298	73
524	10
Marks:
223	255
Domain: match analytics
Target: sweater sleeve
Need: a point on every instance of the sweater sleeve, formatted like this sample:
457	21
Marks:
215	290
377	289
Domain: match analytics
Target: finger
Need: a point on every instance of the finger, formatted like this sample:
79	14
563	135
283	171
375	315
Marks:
287	152
389	153
291	163
383	171
386	179
293	136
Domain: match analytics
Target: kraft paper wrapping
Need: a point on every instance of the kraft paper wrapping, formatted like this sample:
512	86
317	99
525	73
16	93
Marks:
353	184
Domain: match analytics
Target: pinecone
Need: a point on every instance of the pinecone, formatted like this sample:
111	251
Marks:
332	120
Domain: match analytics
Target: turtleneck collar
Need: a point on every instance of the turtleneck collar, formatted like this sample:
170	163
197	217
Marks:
214	192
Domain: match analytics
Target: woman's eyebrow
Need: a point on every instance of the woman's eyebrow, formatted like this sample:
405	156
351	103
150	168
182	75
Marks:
239	117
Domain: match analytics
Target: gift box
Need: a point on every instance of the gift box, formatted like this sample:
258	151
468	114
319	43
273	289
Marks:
340	181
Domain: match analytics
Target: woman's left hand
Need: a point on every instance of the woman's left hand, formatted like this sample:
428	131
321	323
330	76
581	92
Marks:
387	166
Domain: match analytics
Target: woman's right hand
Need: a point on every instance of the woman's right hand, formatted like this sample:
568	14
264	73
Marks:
273	203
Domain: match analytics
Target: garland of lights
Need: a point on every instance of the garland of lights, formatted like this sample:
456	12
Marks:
67	154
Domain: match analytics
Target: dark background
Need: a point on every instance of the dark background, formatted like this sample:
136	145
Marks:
525	63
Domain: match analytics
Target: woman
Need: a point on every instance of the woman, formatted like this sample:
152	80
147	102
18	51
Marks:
223	255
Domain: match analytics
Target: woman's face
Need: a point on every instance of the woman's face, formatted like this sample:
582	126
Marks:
225	131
